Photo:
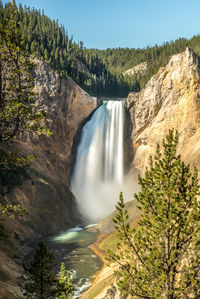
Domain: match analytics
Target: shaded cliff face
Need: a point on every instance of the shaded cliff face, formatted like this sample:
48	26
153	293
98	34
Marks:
171	99
47	197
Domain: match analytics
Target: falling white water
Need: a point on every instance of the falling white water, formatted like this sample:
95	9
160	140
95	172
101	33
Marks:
98	174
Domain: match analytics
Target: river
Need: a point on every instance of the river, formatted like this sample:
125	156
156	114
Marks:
71	247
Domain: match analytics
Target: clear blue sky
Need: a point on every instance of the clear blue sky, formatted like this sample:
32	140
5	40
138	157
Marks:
123	23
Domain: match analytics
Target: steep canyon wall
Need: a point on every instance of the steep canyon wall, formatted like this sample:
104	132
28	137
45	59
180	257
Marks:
171	99
46	196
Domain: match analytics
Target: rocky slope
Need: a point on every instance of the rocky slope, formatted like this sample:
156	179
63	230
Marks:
46	196
171	99
139	68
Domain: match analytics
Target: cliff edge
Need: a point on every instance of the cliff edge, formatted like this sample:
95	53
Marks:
171	99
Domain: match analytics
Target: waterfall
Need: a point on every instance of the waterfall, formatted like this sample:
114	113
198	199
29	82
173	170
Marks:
98	174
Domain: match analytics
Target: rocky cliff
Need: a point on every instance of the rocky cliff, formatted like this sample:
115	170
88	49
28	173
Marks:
46	196
171	99
138	69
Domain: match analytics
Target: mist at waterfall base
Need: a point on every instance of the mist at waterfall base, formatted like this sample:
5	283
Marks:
98	175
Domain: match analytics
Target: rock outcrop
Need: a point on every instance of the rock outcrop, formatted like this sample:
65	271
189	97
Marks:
46	196
139	68
171	99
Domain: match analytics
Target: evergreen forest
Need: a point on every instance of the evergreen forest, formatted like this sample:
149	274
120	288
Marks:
158	254
99	72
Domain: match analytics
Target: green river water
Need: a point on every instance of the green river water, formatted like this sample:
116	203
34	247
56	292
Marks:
71	247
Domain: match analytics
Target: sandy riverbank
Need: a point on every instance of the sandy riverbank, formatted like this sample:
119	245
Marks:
104	278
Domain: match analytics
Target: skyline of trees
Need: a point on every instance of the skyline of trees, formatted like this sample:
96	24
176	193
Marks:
99	72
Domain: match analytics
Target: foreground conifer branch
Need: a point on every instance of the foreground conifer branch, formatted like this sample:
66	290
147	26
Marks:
19	117
18	112
41	280
161	257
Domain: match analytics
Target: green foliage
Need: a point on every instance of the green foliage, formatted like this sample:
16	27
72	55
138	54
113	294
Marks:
64	284
8	210
48	41
40	275
119	60
19	116
161	258
42	280
100	72
18	112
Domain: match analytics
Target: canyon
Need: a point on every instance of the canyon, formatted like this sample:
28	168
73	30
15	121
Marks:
171	99
46	197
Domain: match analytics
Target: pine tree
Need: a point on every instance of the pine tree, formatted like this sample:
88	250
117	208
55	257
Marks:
17	99
161	257
64	287
40	275
41	279
18	114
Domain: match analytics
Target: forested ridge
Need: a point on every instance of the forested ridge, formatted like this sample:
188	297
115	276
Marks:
160	256
99	72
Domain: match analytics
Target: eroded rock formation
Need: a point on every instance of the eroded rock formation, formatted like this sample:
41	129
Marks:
139	68
46	196
171	99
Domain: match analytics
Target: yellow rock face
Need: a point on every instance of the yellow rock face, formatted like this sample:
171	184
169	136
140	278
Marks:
171	99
